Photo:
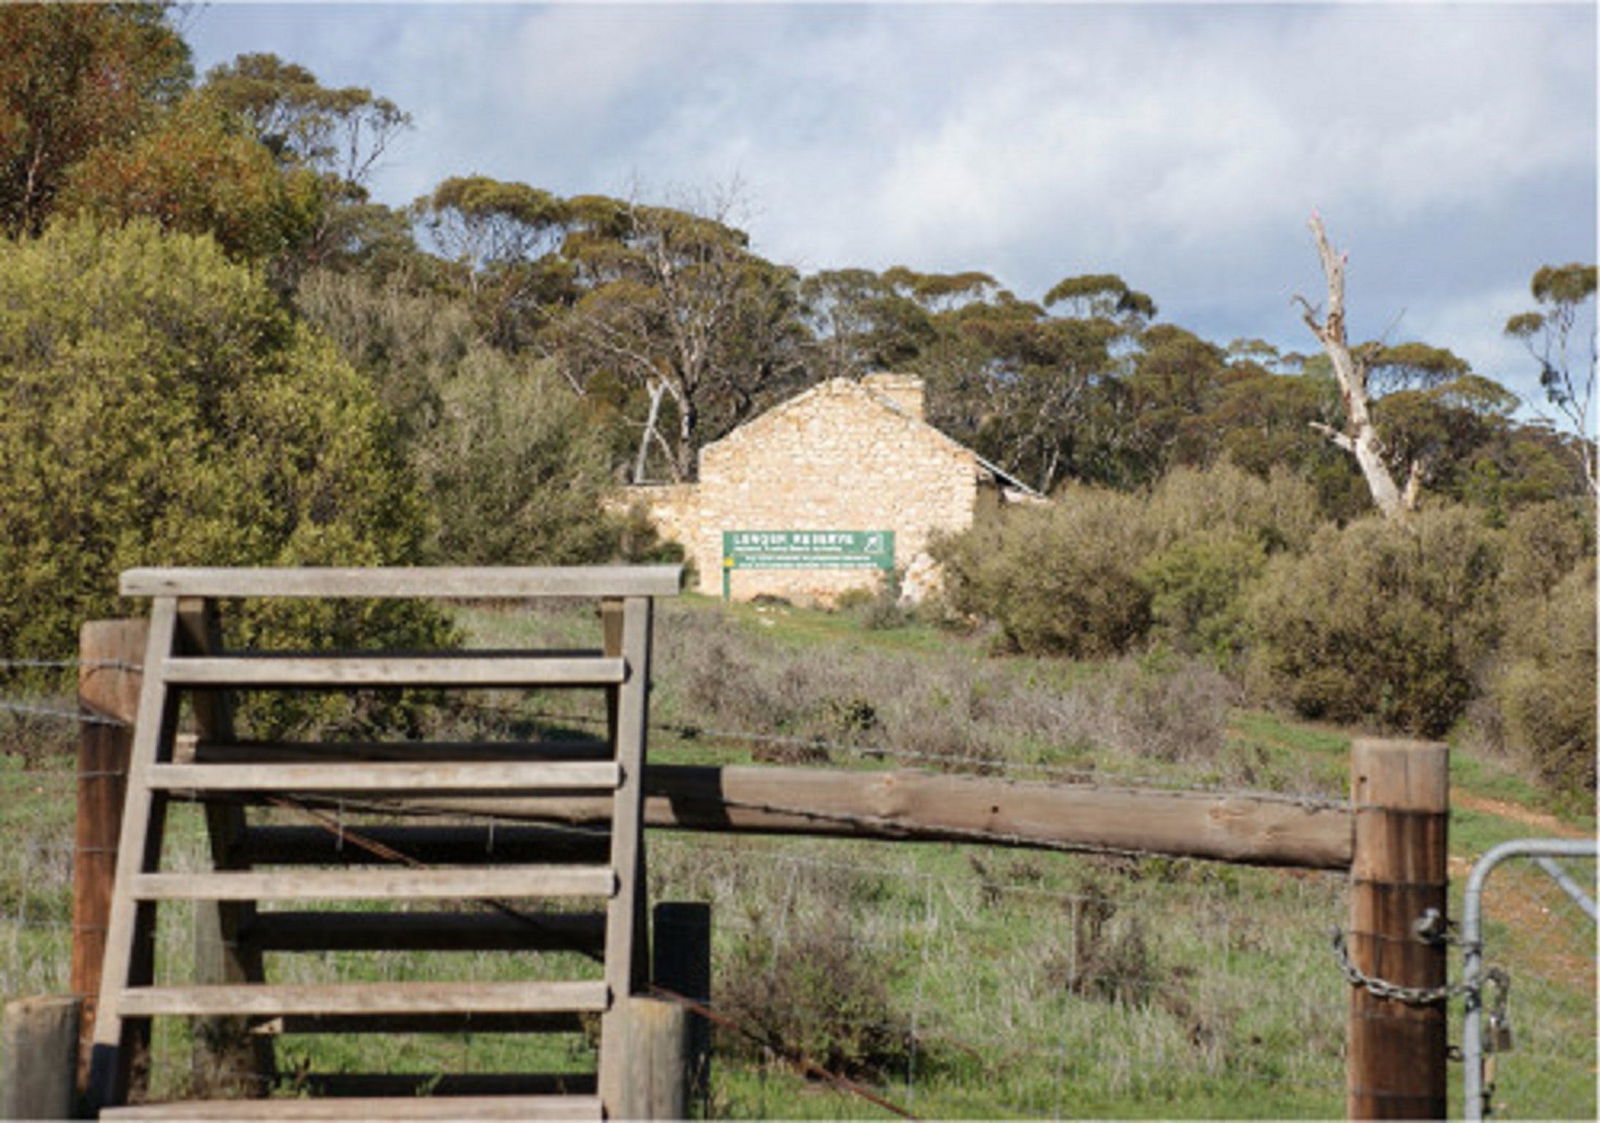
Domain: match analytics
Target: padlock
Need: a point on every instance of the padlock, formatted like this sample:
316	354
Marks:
1498	1037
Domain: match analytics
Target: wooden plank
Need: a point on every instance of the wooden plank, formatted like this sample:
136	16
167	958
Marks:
130	926
344	672
456	583
1396	1060
109	681
427	845
376	884
425	931
370	1108
482	776
370	998
913	806
627	936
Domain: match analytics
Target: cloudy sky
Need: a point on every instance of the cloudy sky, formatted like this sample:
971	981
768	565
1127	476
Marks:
1451	148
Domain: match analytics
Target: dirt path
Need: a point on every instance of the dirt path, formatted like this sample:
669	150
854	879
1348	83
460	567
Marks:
1544	824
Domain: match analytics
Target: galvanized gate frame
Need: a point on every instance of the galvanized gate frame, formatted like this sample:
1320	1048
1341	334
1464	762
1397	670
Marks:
1544	851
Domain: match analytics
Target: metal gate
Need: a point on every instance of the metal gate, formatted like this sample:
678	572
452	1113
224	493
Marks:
1530	960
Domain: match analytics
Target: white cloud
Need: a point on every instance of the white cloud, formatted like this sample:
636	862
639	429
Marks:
1451	147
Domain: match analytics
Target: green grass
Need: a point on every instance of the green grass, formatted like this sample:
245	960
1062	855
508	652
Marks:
1024	983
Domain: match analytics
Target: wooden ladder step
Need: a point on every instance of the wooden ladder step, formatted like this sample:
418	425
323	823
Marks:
381	883
353	671
425	931
370	1108
266	1000
385	776
430	845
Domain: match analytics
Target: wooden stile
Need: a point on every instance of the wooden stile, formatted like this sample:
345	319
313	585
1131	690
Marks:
185	658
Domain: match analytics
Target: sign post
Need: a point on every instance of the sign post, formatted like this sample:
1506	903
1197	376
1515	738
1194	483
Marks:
804	549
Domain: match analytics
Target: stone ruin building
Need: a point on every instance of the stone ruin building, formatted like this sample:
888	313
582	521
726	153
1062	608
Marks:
828	491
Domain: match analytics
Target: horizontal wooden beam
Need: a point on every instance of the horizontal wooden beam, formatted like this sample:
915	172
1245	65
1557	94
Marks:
916	806
424	931
455	583
476	776
386	883
334	672
366	998
360	1107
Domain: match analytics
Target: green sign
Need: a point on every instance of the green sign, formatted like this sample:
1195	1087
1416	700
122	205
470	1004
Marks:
807	549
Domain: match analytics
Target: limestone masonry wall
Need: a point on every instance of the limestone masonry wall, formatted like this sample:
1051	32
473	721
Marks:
835	458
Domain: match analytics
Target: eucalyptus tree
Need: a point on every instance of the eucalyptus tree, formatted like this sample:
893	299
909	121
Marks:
1568	380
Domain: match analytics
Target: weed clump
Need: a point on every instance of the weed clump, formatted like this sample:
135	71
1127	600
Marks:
809	990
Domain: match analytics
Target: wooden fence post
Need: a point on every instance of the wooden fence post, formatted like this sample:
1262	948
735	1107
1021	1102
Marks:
681	963
109	653
39	1039
655	1081
1400	793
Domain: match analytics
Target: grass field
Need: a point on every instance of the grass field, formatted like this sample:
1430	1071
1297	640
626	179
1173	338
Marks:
955	980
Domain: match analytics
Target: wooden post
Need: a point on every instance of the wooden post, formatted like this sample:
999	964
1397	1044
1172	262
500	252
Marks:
681	963
655	1083
1400	792
39	1040
109	652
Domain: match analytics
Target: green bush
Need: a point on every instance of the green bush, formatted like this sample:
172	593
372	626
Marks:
1279	512
1544	686
1196	588
1060	578
1384	621
514	474
162	408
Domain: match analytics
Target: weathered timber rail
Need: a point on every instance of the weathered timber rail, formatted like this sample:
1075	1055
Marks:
1261	830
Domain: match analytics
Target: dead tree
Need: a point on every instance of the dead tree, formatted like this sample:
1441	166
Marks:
1359	437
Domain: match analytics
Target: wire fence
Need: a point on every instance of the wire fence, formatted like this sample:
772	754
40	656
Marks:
959	979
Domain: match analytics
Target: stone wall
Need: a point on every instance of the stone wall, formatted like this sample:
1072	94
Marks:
834	458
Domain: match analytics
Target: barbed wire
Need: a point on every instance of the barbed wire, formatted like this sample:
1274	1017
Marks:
68	664
1089	777
32	710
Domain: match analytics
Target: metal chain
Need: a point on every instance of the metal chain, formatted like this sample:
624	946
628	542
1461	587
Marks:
1382	988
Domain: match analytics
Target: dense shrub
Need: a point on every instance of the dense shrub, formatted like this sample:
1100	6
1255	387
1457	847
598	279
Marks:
514	469
1060	578
162	409
1383	621
1196	588
1541	690
1278	512
1089	575
1547	701
514	474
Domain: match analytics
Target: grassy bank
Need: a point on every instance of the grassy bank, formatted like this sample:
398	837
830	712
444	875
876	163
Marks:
956	980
